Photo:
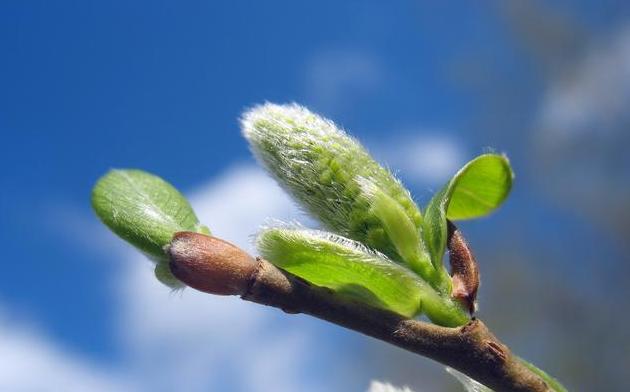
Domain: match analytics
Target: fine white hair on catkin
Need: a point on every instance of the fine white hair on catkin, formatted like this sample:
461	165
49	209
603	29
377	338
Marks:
319	240
280	137
296	231
323	168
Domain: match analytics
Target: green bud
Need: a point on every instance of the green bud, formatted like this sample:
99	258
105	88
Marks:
322	168
145	211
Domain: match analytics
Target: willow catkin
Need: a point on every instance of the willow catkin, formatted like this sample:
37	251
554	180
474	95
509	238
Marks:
323	169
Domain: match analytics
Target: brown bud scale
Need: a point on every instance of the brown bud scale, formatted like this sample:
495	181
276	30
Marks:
464	269
210	264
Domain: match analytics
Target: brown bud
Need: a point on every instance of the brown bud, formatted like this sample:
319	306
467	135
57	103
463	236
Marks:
210	264
464	270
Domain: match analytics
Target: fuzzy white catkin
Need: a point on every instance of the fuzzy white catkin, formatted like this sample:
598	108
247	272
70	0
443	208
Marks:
325	170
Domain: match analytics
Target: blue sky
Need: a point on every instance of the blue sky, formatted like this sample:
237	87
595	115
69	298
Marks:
87	86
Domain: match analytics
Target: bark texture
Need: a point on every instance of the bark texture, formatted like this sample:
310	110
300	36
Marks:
472	349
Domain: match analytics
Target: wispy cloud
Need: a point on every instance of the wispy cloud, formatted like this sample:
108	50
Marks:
235	204
380	386
592	97
334	78
423	156
582	138
31	362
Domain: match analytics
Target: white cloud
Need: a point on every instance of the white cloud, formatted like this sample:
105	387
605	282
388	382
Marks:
334	77
379	386
422	157
197	342
583	137
30	362
592	97
238	202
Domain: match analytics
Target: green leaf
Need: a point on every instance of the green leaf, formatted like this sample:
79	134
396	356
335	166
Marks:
349	268
322	167
344	266
145	211
400	229
480	187
476	190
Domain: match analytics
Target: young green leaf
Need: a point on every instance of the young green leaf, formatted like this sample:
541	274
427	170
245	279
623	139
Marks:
480	187
349	268
343	265
475	190
321	167
400	229
145	211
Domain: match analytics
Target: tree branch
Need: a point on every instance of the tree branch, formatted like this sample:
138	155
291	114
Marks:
215	266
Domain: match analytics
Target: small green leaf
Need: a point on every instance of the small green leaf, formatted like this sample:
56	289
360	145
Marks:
434	227
480	187
349	268
344	266
145	211
476	190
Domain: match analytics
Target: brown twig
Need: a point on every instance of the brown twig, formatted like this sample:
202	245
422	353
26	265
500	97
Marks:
199	260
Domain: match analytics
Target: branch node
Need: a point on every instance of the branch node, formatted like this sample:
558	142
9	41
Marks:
497	351
253	278
470	327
